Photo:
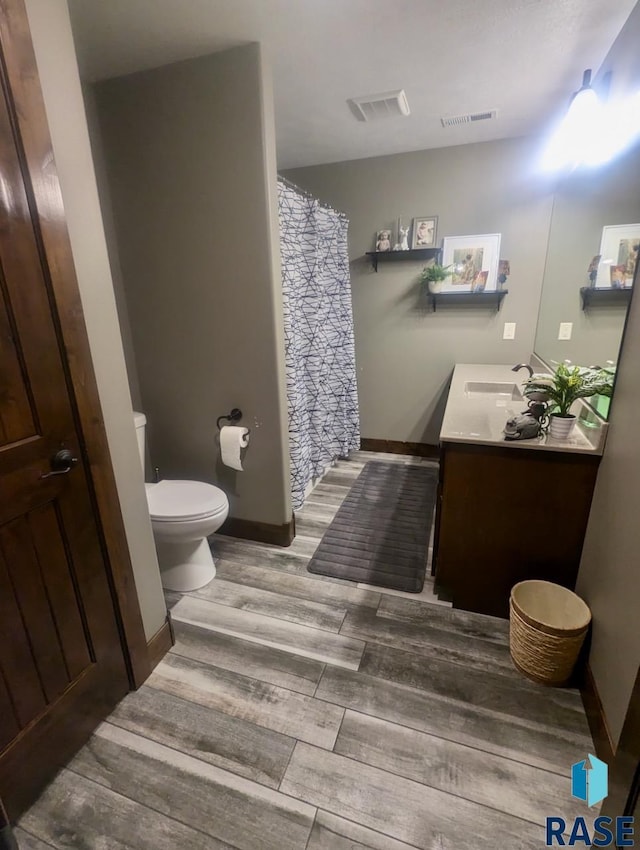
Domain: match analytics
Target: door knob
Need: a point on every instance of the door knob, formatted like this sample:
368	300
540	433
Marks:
61	463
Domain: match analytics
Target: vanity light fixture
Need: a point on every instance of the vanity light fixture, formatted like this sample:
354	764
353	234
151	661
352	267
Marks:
593	131
584	101
573	140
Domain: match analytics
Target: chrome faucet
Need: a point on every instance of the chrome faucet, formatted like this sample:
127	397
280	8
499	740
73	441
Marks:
523	366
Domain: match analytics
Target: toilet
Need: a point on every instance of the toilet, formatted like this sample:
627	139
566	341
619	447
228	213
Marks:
183	514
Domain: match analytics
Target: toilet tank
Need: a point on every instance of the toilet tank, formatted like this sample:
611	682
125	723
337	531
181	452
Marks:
140	421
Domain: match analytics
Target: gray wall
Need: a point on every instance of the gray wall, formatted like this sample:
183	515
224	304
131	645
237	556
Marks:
191	164
58	71
584	203
404	353
106	207
609	577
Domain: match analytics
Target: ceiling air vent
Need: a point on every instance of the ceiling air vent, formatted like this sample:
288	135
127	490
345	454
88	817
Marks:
373	107
469	118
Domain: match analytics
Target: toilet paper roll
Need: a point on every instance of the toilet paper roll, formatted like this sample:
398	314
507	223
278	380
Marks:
232	439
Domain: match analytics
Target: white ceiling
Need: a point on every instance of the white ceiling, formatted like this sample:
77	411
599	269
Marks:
522	57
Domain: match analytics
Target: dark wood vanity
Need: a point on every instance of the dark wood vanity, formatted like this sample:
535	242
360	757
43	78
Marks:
506	515
507	511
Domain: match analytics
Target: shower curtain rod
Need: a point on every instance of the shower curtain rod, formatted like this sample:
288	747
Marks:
306	194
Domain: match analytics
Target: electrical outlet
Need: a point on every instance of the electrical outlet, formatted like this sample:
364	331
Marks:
565	330
509	330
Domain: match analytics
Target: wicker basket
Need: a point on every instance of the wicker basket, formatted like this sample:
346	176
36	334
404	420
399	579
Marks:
548	625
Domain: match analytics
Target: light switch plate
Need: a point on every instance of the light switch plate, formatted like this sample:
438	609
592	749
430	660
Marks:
509	330
565	330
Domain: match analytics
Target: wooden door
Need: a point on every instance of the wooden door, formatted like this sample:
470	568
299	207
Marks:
62	666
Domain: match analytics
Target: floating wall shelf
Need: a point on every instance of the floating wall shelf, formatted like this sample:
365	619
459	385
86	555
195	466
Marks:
413	254
477	299
604	296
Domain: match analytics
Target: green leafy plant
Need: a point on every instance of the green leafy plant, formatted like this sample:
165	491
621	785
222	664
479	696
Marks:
566	385
435	273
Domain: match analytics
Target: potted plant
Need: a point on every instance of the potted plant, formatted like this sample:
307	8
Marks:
434	275
562	389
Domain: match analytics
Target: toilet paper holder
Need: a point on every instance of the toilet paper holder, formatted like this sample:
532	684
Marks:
234	416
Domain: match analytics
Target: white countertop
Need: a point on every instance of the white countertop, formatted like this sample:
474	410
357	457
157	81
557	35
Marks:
475	417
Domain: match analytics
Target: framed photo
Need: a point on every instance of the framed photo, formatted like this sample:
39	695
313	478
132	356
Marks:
424	231
618	256
592	271
474	260
383	240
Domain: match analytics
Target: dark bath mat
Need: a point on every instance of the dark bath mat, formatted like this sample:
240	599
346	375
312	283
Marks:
380	534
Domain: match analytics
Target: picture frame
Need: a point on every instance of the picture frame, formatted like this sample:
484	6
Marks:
592	271
383	240
474	260
424	231
618	256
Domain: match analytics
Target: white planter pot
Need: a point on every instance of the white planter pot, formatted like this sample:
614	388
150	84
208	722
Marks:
435	286
561	426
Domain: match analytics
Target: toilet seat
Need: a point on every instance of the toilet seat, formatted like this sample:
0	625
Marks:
179	501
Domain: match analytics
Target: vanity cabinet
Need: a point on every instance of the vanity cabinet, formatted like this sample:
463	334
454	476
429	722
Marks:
504	515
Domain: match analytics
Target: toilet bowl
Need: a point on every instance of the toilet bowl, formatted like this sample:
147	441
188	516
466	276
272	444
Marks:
183	514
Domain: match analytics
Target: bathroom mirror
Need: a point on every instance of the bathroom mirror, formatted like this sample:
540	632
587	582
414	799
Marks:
585	202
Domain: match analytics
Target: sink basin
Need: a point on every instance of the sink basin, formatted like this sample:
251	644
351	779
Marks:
495	388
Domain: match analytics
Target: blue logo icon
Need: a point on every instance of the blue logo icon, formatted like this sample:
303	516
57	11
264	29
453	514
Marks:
590	783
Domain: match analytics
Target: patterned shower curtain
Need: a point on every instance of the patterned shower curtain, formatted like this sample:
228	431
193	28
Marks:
318	327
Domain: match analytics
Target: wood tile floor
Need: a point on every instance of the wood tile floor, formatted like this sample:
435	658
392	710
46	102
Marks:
298	712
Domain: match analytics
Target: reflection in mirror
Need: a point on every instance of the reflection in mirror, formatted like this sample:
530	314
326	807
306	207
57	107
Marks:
587	201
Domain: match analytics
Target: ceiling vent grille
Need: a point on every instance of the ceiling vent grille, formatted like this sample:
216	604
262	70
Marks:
375	107
469	118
